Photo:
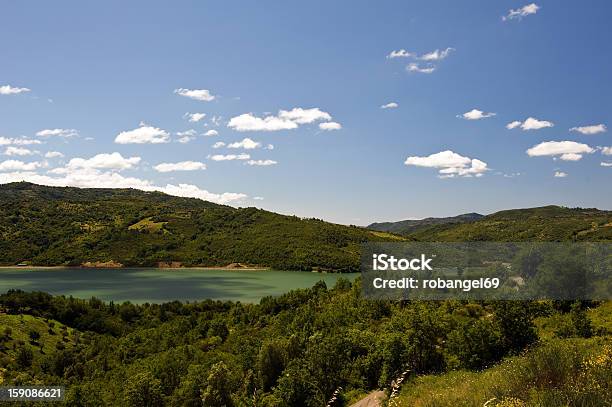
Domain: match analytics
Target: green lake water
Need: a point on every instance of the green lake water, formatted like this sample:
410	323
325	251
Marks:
140	285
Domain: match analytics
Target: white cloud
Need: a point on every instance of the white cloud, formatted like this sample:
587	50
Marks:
258	198
113	161
53	154
513	125
530	124
143	135
475	114
269	147
186	136
218	144
401	53
605	164
192	191
519	13
5	141
17	151
436	55
211	133
304	116
567	150
10	90
606	150
57	133
194	117
216	120
414	67
246	143
390	105
180	166
262	162
330	126
593	129
197	94
560	174
249	122
15	165
229	157
285	120
450	164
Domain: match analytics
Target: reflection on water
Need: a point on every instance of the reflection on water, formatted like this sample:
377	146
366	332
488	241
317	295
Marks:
162	285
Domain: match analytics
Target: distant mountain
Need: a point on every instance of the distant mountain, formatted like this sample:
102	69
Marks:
43	225
548	223
405	227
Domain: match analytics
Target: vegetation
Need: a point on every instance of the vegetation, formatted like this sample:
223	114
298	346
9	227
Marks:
405	227
70	226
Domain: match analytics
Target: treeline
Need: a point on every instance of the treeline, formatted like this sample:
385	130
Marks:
293	350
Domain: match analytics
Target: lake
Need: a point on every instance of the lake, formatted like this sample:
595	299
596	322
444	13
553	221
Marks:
140	285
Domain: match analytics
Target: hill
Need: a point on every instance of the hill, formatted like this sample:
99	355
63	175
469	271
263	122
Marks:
404	227
548	223
43	225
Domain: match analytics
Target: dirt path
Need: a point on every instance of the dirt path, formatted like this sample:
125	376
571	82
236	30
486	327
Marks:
373	399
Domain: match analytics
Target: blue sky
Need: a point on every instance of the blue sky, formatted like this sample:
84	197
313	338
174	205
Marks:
88	73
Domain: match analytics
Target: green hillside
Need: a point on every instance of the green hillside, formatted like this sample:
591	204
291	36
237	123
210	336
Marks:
548	223
404	227
70	226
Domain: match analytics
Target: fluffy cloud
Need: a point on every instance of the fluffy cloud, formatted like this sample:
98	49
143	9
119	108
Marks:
246	143
194	117
249	122
186	136
143	135
450	164
16	165
567	150
113	161
180	166
475	114
330	126
304	116
57	133
5	141
17	151
285	120
519	13
10	90
436	55
53	154
262	162
218	144
593	129
604	164
211	133
203	95
192	191
258	198
606	150
529	124
560	174
414	67
390	105
401	53
229	157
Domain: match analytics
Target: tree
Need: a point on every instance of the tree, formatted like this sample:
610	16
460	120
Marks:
218	390
143	390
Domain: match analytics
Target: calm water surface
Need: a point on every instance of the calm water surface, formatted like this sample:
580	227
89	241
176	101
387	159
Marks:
162	285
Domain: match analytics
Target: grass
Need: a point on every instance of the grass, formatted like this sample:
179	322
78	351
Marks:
147	225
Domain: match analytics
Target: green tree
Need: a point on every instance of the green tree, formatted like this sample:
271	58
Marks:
143	390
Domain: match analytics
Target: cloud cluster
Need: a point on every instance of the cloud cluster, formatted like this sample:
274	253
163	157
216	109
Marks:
450	164
202	95
16	165
245	143
10	90
5	141
143	135
57	133
475	114
261	163
422	63
229	157
194	117
284	120
180	166
592	129
530	123
11	150
564	150
112	161
521	12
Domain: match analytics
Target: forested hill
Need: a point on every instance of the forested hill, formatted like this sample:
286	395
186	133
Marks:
42	225
548	223
404	227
